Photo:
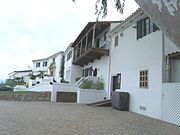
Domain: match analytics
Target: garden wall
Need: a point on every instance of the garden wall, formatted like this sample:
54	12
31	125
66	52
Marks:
32	96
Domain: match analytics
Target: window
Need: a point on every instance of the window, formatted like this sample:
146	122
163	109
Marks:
45	64
143	79
38	64
116	82
88	72
116	41
69	55
145	27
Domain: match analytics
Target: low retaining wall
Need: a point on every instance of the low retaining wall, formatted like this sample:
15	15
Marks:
33	96
86	96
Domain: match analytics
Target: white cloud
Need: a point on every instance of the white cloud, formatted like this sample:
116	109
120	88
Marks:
33	29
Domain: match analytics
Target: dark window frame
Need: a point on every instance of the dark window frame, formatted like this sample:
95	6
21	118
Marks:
116	40
38	64
45	64
69	55
144	27
116	81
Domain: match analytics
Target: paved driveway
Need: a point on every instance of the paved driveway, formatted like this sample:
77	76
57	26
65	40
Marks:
35	118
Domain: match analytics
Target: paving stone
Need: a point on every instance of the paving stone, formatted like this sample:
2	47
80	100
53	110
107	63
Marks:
45	118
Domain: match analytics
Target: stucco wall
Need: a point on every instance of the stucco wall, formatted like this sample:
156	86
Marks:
33	96
86	96
58	61
102	66
131	56
41	68
74	71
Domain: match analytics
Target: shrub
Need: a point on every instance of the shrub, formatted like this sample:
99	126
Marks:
32	77
99	85
87	84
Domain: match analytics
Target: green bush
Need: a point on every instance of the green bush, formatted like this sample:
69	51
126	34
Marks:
86	84
89	84
99	85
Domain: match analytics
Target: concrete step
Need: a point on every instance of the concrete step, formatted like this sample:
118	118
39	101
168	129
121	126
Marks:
104	103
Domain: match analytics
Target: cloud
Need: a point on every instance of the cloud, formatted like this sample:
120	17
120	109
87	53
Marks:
34	29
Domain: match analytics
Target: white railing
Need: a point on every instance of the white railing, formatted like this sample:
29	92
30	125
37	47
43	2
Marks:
104	44
80	80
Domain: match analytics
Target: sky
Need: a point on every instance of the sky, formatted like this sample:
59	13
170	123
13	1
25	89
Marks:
35	29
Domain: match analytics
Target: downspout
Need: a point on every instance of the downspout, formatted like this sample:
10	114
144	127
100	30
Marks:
168	69
164	78
109	83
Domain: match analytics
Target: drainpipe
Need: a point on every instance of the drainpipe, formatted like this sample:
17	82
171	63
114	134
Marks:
164	72
109	83
168	69
165	63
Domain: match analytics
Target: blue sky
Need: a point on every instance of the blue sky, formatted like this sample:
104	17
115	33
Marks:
34	29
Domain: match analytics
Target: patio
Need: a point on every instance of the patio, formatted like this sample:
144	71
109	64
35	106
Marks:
46	118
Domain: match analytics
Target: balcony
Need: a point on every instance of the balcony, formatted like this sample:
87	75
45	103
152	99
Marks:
84	56
91	44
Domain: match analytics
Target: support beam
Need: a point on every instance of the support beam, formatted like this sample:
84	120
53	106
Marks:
93	38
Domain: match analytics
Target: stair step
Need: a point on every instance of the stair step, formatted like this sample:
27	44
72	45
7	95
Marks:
104	103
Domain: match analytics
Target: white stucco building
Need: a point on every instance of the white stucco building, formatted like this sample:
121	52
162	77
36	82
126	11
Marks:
50	66
40	65
91	51
23	74
71	71
135	57
146	64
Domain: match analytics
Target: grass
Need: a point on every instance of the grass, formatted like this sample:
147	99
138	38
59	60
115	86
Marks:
14	92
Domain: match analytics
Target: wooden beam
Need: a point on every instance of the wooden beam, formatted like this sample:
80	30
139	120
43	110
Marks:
94	32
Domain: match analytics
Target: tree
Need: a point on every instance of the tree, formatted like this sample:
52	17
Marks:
62	68
101	7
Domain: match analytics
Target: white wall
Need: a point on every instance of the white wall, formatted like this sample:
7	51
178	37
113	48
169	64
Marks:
41	68
86	96
44	86
62	88
58	61
68	65
131	56
74	71
102	66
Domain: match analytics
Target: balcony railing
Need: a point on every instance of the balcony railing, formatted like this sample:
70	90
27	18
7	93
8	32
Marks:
89	53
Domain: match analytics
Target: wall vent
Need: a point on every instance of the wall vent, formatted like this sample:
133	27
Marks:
143	108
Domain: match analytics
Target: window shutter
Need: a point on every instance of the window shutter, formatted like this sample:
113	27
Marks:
139	29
